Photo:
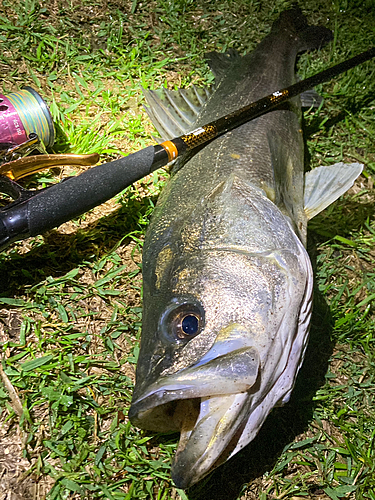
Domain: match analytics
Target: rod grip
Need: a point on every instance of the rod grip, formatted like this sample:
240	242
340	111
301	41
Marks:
73	196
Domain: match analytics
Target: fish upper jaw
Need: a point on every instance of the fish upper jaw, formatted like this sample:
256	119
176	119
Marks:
230	373
231	366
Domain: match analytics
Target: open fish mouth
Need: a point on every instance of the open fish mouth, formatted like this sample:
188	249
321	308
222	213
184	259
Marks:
207	402
220	401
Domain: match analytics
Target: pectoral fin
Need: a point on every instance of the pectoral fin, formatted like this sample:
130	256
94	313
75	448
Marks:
323	185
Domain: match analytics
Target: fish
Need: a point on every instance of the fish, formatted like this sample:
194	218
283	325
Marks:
227	280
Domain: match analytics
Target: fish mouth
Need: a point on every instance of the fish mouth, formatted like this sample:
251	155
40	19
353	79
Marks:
207	402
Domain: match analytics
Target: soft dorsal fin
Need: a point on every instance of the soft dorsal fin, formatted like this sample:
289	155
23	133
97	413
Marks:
311	99
173	112
323	185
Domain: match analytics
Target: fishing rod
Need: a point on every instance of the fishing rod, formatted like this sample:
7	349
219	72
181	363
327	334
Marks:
34	212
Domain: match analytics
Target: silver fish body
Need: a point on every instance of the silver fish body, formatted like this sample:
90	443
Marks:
227	279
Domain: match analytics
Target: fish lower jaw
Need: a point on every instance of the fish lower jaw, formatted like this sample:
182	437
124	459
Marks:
209	431
208	435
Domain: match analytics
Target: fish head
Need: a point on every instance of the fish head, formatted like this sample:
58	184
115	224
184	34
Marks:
223	335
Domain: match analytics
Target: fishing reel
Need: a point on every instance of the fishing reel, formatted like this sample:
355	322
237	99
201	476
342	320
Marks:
26	131
25	124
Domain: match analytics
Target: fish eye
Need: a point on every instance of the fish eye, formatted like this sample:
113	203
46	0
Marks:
186	325
185	322
182	322
190	324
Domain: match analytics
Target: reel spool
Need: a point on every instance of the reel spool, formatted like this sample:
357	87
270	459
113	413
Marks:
23	113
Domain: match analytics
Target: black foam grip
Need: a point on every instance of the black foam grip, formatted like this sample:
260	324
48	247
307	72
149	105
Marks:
76	195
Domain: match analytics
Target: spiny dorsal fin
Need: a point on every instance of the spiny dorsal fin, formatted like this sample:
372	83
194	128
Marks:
323	185
174	112
220	62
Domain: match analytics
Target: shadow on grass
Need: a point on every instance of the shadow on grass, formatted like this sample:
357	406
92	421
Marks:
352	106
282	425
62	252
343	218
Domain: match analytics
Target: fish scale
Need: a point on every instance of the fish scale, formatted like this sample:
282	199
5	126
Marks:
225	254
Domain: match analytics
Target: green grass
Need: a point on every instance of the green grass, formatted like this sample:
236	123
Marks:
70	301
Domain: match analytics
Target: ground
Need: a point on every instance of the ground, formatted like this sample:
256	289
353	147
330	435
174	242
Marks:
71	299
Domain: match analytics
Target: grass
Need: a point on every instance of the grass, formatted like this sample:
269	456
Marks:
70	301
